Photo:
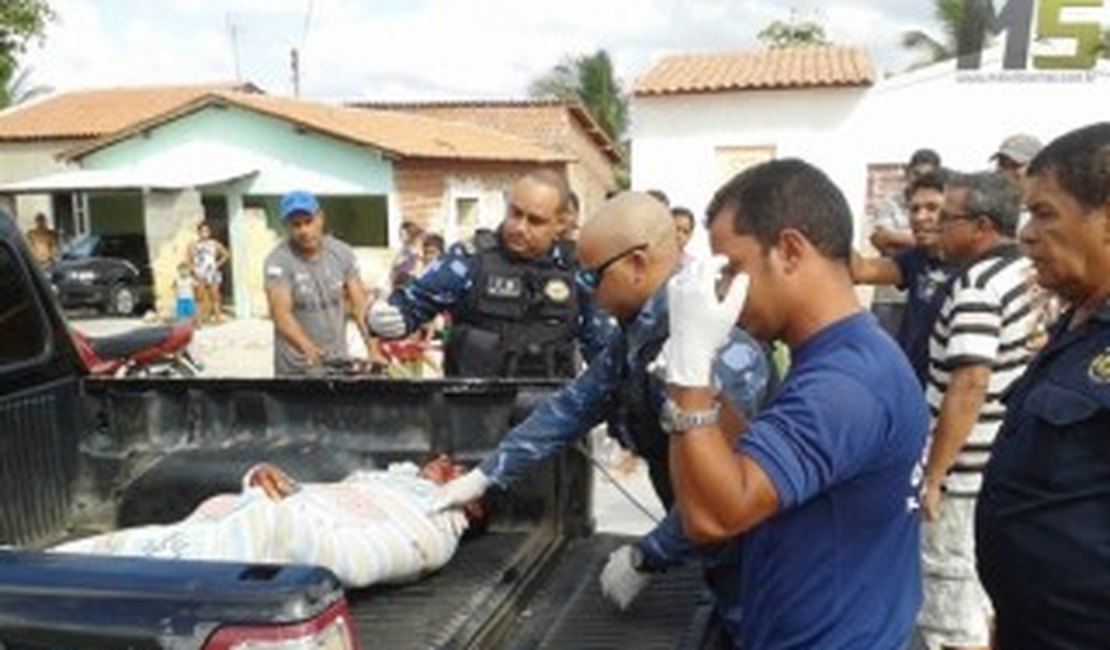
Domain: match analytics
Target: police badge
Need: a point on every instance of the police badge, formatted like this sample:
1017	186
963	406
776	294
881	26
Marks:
1099	370
557	290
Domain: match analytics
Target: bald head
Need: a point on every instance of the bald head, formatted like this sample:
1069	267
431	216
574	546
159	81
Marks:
631	239
626	220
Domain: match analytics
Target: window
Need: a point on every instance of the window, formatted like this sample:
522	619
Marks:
733	160
21	319
357	220
466	217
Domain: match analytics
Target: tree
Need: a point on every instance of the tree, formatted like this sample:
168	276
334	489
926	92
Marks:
793	33
964	26
21	21
588	79
19	89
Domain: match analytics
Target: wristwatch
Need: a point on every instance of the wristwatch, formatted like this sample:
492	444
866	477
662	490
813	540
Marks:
675	420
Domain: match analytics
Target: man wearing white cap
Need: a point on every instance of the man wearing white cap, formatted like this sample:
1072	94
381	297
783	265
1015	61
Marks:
1014	154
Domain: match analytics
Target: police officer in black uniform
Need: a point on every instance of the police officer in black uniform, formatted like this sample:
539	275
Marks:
1042	526
515	308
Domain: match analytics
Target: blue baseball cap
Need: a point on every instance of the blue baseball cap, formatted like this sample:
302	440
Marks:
297	202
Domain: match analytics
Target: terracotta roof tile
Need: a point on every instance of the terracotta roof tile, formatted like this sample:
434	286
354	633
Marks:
399	134
94	113
797	67
536	119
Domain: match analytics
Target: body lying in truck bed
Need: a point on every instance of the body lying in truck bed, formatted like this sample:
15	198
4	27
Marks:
372	527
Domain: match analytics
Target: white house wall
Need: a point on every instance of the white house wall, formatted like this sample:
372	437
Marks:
675	138
842	131
21	161
966	120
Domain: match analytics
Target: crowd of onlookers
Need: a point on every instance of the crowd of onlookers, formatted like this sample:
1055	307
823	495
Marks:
1003	327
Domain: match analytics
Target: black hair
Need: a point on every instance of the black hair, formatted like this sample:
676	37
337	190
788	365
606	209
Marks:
934	180
924	157
787	193
1081	162
660	196
993	195
434	239
685	213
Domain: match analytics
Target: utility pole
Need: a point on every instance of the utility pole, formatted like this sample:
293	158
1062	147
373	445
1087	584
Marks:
233	30
295	62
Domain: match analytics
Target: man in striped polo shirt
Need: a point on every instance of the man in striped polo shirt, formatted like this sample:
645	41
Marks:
981	342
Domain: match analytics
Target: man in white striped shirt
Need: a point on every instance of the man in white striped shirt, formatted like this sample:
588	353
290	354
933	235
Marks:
980	343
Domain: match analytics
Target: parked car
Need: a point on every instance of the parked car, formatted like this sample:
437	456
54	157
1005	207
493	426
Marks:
110	272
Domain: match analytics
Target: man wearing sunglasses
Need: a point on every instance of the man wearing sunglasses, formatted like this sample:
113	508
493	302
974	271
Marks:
983	339
628	250
515	308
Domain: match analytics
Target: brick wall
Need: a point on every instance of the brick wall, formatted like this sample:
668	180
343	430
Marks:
425	189
552	126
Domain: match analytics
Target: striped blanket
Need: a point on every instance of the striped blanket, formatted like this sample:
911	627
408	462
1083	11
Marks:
372	527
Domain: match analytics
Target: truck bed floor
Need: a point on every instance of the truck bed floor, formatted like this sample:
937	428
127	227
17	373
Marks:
673	612
426	614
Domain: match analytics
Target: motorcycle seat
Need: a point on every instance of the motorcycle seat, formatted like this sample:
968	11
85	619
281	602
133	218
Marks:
130	342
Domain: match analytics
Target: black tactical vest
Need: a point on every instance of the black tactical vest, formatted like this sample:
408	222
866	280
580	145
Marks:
520	317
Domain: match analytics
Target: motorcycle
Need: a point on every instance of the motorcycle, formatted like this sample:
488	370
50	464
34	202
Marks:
157	351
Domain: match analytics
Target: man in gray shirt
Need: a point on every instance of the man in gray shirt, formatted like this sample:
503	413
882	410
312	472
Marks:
312	283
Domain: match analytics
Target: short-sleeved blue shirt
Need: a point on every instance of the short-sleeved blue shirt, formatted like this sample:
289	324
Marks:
925	279
839	565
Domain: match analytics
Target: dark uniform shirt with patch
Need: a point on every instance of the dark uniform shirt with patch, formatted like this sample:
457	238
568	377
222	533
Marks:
510	317
1042	524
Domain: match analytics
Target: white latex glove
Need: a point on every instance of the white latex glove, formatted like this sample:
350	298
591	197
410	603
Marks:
385	320
621	582
700	321
462	490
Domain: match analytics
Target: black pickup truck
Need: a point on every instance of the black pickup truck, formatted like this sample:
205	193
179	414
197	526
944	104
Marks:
81	455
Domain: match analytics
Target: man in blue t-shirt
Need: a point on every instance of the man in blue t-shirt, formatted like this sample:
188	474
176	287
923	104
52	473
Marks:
823	485
919	270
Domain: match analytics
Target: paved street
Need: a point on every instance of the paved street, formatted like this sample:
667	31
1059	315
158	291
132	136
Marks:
244	348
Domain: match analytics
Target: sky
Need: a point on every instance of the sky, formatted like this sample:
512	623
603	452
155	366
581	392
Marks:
420	49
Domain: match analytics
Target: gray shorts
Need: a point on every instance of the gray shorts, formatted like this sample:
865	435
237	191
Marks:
956	610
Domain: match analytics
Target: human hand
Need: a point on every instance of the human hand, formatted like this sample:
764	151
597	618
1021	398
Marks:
461	491
620	580
274	483
700	321
385	320
313	356
930	500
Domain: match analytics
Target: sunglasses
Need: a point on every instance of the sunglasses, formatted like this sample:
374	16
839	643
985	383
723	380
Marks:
590	279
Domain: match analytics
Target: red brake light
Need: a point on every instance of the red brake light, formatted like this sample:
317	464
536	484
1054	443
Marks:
332	629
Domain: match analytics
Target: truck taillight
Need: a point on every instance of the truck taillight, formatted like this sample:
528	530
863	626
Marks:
332	629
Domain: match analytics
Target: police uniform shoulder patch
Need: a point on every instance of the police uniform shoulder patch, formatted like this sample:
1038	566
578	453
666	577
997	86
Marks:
557	290
1099	370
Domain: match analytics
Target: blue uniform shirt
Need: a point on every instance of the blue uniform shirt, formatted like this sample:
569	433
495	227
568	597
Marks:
925	280
839	565
741	369
1042	525
446	282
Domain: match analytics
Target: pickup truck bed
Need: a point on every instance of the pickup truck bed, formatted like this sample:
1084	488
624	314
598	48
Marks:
529	581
